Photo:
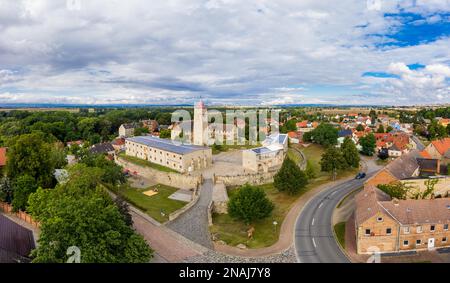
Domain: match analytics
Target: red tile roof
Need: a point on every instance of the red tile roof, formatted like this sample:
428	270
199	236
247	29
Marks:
442	145
425	154
2	156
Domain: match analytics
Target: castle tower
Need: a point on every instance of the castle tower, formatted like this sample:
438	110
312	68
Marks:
200	124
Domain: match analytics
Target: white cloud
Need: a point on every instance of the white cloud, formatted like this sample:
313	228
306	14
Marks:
227	51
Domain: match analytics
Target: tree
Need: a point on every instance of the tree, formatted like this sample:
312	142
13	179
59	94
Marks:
124	209
290	178
368	144
389	129
141	131
383	154
380	129
23	187
249	204
325	134
6	189
396	190
30	155
332	160
350	153
75	215
165	134
360	128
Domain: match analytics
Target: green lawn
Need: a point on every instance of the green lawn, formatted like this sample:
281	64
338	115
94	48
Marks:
154	204
294	155
234	232
339	229
146	163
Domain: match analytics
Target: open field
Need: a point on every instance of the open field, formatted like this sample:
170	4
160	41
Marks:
152	205
234	232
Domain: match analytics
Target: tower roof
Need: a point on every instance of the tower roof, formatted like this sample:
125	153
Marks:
200	105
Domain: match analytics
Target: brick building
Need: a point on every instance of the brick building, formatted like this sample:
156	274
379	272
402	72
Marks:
390	225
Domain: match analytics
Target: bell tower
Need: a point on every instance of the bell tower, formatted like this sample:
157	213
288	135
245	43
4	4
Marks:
200	123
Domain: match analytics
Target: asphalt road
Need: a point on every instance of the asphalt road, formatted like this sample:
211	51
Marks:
314	239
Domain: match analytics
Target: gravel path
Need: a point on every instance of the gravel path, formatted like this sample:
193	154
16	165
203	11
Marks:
287	256
193	224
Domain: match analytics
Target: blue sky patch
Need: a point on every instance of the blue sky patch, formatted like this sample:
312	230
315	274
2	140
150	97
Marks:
409	29
380	75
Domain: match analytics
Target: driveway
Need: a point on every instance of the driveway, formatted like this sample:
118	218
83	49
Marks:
193	224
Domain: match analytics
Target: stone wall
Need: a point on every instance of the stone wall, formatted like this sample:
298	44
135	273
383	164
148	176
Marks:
252	179
176	180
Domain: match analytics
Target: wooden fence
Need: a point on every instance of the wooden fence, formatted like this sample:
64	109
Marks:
7	208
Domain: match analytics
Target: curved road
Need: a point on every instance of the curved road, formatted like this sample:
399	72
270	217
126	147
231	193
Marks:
314	239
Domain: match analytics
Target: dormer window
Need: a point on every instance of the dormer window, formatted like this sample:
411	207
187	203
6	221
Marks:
380	219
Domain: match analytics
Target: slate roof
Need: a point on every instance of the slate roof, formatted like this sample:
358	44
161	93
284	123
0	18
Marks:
129	126
16	242
345	133
101	148
420	145
367	203
167	145
428	164
404	166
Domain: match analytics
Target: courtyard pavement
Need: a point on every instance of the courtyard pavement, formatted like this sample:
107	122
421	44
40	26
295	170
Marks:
193	224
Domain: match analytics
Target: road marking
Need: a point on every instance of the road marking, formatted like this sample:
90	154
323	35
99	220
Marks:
333	193
313	222
320	204
314	243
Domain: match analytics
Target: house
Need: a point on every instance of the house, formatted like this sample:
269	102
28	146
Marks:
177	156
391	225
440	149
405	166
416	143
2	157
444	122
268	157
294	137
16	242
118	144
151	125
102	148
302	124
78	143
342	134
126	130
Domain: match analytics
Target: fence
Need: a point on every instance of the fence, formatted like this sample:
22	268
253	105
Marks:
7	208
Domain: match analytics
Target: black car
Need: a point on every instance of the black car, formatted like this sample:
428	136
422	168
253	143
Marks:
361	175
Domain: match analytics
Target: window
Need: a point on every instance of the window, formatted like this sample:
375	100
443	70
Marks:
419	242
406	243
367	232
406	230
389	231
380	219
445	227
444	240
432	228
419	229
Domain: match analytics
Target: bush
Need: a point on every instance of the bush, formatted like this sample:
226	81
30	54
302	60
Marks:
249	204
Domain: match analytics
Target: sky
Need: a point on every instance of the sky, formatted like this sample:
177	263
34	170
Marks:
228	52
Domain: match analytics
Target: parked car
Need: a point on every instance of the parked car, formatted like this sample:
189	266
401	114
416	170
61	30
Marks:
361	175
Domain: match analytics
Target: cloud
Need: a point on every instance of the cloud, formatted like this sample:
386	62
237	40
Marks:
226	51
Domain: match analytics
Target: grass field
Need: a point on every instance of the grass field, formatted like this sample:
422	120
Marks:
155	204
146	163
234	232
339	229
